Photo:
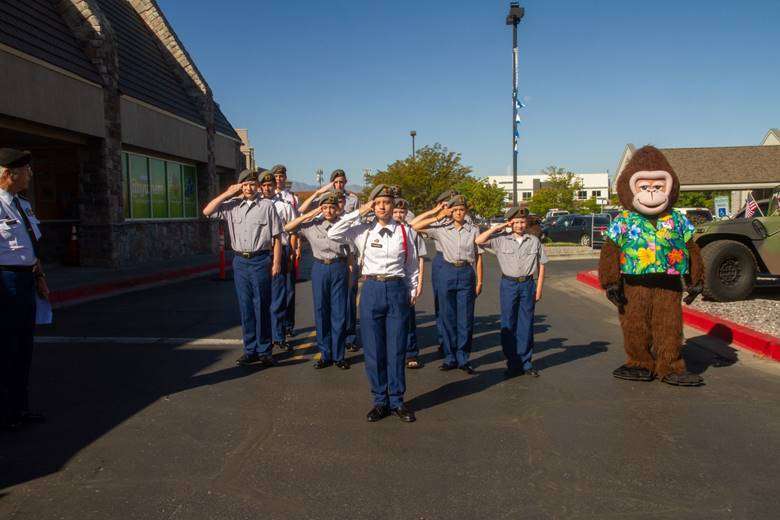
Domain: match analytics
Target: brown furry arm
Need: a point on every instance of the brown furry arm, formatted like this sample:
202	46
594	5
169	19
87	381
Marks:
609	264
697	264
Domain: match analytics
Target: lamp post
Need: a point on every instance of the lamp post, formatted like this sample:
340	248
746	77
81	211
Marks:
413	134
513	18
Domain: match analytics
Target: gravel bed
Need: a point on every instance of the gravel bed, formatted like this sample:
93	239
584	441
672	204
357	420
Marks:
761	312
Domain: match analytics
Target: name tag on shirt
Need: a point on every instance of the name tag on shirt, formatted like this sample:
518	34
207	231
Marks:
374	244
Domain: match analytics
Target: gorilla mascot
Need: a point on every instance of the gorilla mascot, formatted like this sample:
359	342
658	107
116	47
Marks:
648	251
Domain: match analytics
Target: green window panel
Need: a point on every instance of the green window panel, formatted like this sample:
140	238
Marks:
175	199
158	187
190	186
139	187
125	188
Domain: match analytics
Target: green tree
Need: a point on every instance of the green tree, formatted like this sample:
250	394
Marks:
588	206
558	191
486	199
422	178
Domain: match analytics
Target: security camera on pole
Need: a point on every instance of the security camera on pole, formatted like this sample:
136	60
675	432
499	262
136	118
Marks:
513	18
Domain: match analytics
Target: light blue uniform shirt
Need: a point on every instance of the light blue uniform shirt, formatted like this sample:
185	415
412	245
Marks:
16	247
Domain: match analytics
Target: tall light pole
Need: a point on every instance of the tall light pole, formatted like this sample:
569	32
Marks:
413	134
513	18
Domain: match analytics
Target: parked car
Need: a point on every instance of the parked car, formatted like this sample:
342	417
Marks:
553	213
576	228
737	253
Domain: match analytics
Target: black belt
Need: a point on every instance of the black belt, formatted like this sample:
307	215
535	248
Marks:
459	263
252	254
328	261
518	278
18	268
381	277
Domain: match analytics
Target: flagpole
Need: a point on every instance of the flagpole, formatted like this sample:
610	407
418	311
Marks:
515	15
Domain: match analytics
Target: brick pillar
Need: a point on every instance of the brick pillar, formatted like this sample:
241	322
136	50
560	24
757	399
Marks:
101	205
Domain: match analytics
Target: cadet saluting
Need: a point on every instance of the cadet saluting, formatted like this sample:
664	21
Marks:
290	252
21	277
390	276
458	286
519	255
328	279
254	229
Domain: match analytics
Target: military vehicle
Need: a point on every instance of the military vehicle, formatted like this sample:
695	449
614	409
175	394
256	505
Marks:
741	253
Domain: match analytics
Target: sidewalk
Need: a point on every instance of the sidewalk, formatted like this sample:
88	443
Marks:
72	285
716	326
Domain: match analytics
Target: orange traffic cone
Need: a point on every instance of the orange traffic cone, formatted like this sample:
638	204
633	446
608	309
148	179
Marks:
72	251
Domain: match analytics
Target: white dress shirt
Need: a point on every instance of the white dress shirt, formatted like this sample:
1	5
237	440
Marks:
16	247
380	254
286	213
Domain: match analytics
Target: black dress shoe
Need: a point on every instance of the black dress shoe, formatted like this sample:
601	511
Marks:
266	361
32	417
351	347
247	359
322	364
343	364
513	372
289	332
403	413
468	369
377	413
283	345
444	367
532	372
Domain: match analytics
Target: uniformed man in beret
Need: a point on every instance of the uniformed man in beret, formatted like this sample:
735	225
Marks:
389	268
280	283
254	228
460	279
328	279
21	278
401	214
442	200
292	251
520	255
338	180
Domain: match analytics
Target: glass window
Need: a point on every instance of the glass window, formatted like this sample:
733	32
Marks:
139	187
158	188
582	195
526	195
596	193
190	188
175	191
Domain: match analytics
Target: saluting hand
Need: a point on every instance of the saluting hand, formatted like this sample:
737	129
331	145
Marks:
325	188
444	212
366	208
233	189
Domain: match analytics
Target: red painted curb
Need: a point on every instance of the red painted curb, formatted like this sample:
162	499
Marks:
716	326
90	291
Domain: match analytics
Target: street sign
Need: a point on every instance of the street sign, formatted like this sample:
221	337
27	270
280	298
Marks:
601	201
721	206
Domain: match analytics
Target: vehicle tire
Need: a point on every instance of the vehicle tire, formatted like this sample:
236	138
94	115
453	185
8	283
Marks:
585	240
729	271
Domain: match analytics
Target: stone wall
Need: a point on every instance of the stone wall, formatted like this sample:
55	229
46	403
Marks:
139	242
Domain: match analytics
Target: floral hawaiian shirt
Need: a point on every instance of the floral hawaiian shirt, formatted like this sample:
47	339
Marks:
647	248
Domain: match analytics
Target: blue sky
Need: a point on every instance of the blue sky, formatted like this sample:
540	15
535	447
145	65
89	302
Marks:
339	84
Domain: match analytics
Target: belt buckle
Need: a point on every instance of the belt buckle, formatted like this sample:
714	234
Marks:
246	255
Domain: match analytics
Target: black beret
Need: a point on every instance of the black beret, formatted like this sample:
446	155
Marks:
516	212
10	158
331	197
457	200
267	177
247	175
279	168
336	174
401	204
446	195
382	190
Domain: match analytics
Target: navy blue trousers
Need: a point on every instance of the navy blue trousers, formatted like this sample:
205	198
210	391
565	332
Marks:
384	318
352	293
436	264
17	325
279	294
456	311
517	322
289	316
412	349
329	287
252	277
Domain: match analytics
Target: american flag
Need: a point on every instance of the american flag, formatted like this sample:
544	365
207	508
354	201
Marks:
750	205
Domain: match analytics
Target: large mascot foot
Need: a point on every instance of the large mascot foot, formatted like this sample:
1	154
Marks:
684	379
633	373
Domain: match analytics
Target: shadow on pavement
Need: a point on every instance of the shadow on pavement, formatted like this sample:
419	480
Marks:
87	390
